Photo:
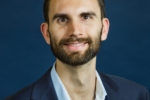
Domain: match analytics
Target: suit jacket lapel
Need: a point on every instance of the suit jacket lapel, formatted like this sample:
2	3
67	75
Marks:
43	89
110	87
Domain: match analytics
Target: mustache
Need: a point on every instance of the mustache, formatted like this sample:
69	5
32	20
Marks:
75	39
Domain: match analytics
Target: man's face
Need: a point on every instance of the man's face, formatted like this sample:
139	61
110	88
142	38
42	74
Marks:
75	30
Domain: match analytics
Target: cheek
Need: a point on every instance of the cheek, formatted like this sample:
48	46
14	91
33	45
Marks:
93	29
57	32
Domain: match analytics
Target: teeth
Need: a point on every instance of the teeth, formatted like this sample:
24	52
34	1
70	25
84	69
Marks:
79	44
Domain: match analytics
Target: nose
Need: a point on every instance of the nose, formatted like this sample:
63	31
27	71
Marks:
75	28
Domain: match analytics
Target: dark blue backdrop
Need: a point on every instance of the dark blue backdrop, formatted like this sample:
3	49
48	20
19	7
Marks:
24	55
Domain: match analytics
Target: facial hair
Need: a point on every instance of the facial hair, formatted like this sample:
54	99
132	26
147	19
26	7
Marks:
75	58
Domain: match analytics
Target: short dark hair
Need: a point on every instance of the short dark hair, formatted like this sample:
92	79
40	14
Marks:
47	3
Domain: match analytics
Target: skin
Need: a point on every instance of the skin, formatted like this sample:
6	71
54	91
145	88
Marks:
82	19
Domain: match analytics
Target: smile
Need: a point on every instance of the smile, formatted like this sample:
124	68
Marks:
76	46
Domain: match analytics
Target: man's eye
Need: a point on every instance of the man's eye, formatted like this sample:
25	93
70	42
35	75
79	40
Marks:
86	17
62	20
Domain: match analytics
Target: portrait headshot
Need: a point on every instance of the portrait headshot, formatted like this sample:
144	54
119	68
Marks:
75	50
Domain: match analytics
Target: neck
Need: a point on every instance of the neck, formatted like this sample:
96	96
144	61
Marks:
78	80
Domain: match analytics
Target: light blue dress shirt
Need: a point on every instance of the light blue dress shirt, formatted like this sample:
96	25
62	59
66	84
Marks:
62	93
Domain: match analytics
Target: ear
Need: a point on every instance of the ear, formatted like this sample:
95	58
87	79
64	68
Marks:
105	28
45	32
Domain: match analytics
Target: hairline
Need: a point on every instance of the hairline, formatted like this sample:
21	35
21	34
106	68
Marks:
46	18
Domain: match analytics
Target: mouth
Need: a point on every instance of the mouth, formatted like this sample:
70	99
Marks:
76	46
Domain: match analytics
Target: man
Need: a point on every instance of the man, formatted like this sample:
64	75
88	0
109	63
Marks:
75	29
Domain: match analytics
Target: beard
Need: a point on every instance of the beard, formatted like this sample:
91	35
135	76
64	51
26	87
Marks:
75	58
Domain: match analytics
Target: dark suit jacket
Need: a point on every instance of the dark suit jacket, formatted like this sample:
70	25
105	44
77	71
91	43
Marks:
117	89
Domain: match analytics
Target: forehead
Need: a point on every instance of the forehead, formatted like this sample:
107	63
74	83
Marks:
73	6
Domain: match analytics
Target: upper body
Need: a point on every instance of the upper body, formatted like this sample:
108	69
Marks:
117	88
75	29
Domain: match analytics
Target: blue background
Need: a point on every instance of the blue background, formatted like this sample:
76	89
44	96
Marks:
25	57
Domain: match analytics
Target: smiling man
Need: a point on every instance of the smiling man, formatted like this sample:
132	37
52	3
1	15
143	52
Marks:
75	29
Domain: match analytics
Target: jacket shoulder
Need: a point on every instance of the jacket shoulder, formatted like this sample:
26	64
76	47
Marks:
125	83
38	90
125	87
23	94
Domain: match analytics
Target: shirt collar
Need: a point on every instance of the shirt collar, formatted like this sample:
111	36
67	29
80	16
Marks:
62	93
100	90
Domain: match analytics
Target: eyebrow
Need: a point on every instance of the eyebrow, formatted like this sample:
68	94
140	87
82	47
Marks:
59	15
65	15
88	13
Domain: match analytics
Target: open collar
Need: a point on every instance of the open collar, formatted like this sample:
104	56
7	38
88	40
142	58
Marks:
44	90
